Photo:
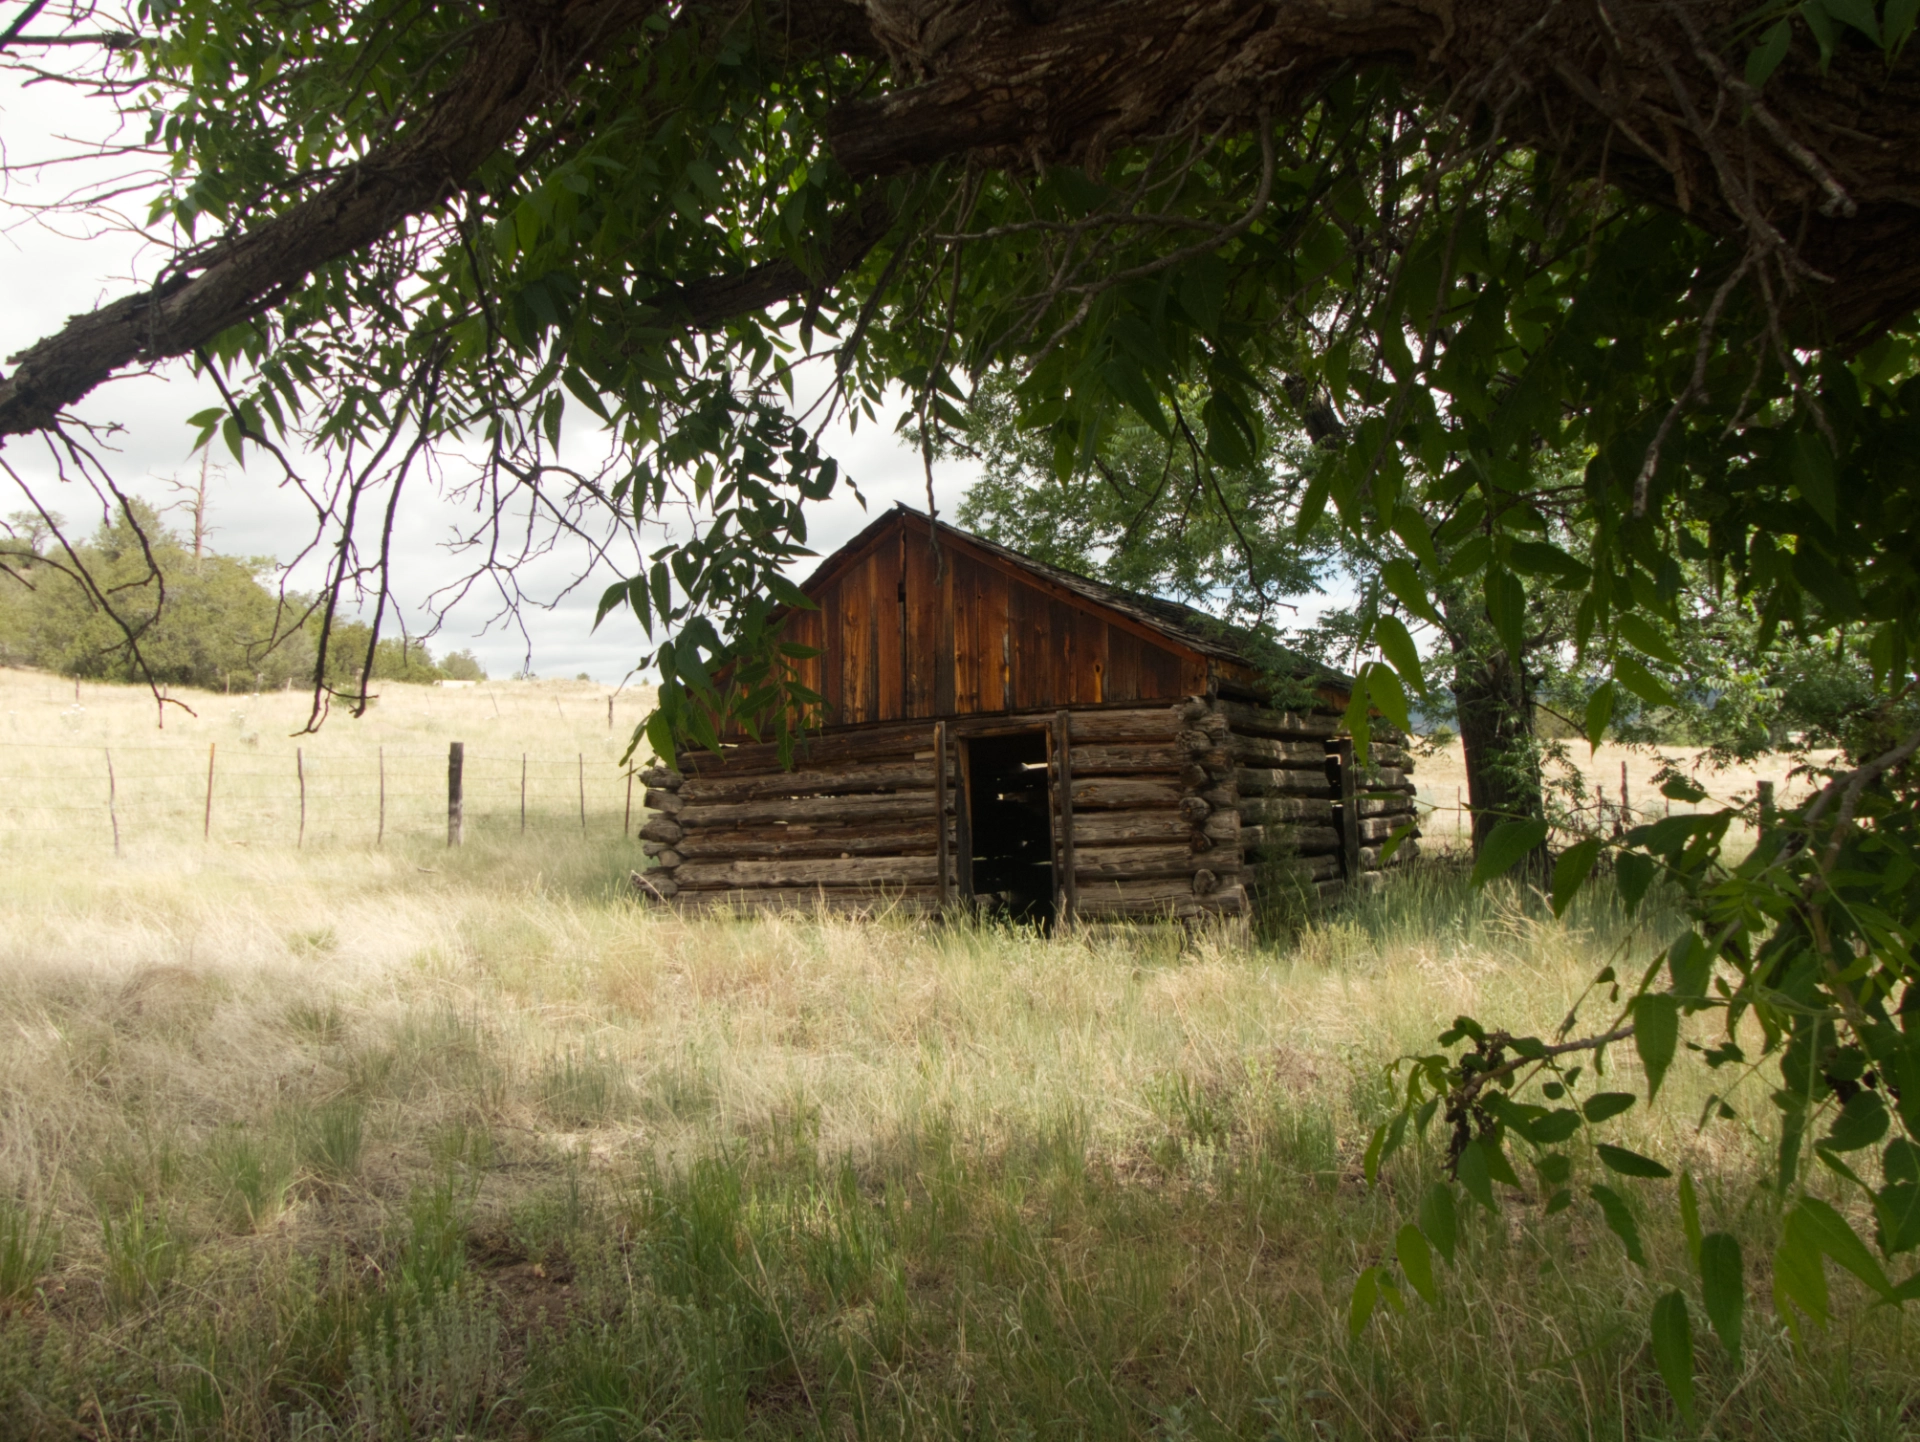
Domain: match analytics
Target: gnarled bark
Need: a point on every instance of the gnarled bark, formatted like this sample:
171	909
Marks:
1823	161
1639	93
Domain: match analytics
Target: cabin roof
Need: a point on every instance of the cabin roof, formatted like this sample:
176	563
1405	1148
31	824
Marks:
1178	622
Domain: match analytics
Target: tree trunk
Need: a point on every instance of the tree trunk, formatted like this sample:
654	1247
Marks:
1496	733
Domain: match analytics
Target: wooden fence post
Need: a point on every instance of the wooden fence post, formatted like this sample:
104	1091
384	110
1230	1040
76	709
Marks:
962	822
206	826
523	793
300	767
113	813
1069	887
1349	811
456	765
942	855
1766	808
380	837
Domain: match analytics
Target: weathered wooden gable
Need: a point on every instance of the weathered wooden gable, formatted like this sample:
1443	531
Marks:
907	635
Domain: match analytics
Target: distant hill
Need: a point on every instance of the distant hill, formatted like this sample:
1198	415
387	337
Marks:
197	618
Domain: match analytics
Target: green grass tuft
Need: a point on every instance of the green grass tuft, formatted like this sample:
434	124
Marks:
28	1244
144	1253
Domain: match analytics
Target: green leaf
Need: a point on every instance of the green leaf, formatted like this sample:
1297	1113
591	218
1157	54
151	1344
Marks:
1834	587
1797	1274
1599	713
1656	1033
1629	1164
1899	20
1411	527
1439	1220
1673	1350
1861	1123
1640	633
1555	1167
1416	1263
1690	1216
1723	1288
1832	1234
1401	835
1370	1162
1633	873
1630	672
582	390
1681	788
1812	466
1538	558
1507	609
1386	693
1495	1156
1821	24
1404	583
1203	290
1510	842
1765	57
1604	1106
1396	644
1571	870
1620	1222
1366	1296
1130	384
1857	13
1473	1176
1552	1129
1897	1207
1357	717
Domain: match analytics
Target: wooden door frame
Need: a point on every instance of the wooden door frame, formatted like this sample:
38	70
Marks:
963	802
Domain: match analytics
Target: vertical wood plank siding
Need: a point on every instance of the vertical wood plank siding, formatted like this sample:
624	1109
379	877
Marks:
906	637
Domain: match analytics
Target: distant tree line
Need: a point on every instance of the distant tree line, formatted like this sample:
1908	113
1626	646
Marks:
221	626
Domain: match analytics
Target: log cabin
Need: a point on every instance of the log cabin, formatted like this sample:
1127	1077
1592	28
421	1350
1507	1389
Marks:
1004	735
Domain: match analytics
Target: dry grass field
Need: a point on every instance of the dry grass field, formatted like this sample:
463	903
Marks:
1441	775
58	739
409	1143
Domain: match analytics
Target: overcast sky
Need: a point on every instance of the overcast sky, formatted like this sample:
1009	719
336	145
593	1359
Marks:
51	269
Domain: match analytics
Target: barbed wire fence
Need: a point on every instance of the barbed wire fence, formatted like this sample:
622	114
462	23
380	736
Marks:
114	799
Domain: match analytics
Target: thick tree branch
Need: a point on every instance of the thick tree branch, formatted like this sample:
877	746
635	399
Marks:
519	63
987	81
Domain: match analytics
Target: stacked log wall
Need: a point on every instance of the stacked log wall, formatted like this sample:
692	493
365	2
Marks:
1154	833
1292	804
855	823
1186	810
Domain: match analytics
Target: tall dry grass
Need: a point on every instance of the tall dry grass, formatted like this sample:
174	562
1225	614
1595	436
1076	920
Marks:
420	1143
80	762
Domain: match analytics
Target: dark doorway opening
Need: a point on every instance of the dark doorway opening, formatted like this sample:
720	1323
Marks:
1010	826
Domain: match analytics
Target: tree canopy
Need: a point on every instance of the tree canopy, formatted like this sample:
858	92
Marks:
1671	238
138	602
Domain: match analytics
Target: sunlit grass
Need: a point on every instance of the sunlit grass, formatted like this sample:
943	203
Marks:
421	1143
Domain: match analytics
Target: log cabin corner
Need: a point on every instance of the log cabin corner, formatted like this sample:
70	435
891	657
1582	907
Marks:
1003	734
